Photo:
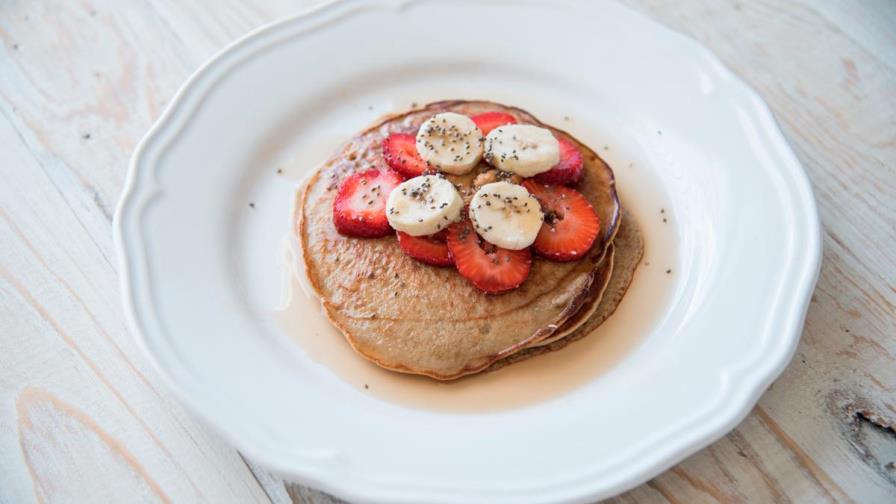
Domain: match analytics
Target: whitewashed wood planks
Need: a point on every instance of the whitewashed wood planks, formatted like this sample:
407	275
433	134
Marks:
81	413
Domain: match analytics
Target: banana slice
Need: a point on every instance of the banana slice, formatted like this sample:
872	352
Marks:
423	205
450	142
522	149
506	215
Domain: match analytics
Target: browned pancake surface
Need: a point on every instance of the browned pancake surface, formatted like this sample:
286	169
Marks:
415	318
624	256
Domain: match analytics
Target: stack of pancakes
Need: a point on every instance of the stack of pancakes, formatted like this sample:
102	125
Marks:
410	317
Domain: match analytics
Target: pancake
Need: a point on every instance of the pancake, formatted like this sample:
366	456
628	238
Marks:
414	318
622	259
598	286
624	256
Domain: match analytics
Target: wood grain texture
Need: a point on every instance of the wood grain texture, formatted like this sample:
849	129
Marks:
82	415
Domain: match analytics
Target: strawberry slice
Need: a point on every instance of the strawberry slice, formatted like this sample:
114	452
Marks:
431	250
488	121
568	170
400	152
360	205
490	268
570	224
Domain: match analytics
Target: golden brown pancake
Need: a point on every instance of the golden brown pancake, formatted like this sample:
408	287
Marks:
414	318
624	256
610	285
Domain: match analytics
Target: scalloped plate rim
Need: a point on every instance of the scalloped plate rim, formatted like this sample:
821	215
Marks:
744	394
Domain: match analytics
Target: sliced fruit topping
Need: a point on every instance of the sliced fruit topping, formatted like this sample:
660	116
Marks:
506	215
570	223
490	268
423	205
360	205
400	152
450	142
523	149
570	168
427	249
487	121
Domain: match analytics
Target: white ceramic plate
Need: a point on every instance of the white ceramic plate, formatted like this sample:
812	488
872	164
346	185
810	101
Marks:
199	266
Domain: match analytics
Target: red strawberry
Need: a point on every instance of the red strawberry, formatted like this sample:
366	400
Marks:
570	224
426	249
360	205
488	121
490	268
568	170
400	151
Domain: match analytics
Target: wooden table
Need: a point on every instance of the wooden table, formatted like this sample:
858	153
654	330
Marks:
82	417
